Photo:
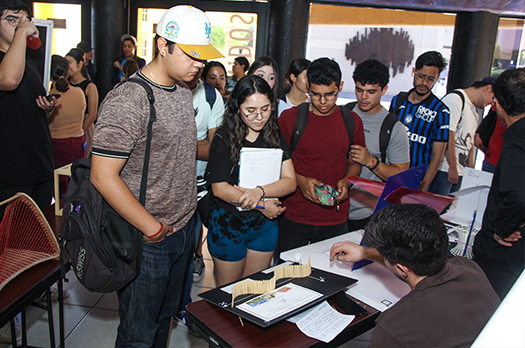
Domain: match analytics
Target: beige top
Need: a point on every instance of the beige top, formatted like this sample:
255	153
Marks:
67	118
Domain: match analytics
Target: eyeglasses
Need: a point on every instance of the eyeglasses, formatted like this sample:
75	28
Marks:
13	20
327	96
424	77
253	115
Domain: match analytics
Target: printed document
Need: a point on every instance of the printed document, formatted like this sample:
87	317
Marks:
259	166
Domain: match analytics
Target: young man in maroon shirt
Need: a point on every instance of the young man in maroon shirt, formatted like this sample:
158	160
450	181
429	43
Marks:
321	157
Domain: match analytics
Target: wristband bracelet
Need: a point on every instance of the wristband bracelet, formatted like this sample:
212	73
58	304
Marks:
262	189
377	164
156	234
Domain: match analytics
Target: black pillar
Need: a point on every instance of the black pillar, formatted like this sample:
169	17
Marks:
473	47
288	29
85	14
109	24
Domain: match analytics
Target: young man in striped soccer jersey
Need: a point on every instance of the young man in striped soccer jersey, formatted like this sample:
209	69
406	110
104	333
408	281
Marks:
425	117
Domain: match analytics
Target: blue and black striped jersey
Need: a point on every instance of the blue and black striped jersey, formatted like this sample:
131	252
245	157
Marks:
426	122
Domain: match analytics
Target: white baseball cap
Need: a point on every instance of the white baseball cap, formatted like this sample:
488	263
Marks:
190	29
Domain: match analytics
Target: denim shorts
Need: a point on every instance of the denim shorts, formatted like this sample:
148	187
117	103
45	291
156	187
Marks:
231	235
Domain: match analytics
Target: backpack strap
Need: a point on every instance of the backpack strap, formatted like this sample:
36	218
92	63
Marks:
351	105
152	118
400	99
301	120
303	111
211	94
348	119
458	92
385	133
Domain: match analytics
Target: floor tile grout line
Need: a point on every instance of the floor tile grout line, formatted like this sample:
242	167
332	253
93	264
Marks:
78	324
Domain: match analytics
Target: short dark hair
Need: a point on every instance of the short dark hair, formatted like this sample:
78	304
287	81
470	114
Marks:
431	58
171	45
297	66
509	90
372	72
15	6
324	71
244	62
210	65
479	84
412	235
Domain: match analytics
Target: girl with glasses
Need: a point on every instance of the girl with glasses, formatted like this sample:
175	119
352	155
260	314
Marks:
243	242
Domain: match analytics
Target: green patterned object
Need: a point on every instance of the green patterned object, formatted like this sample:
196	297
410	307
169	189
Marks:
326	194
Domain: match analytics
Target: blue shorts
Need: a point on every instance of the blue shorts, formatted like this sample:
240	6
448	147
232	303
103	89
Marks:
231	235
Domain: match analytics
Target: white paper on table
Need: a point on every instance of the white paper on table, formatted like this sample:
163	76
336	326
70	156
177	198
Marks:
278	302
259	166
323	322
376	285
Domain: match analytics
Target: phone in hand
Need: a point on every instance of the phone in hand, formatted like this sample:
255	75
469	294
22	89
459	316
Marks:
49	97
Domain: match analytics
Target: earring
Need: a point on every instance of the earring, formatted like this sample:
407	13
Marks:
162	54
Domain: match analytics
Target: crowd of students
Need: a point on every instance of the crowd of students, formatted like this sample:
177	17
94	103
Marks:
322	144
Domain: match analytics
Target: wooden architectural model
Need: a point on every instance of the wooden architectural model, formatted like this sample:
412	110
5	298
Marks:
263	286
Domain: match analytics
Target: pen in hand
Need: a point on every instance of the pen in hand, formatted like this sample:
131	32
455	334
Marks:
257	206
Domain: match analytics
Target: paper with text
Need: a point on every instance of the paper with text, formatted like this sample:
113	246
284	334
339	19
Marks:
280	301
259	166
323	322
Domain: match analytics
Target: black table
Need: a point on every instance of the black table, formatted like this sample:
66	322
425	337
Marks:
223	329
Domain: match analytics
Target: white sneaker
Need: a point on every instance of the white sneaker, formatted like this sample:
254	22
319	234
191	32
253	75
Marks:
198	268
5	332
54	293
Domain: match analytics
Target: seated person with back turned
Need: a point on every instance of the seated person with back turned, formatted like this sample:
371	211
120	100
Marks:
451	300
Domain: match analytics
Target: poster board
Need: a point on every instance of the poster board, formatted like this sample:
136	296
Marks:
42	56
319	281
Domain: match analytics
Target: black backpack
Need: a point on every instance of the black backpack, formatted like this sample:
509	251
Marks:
385	131
401	97
211	95
458	92
303	112
105	250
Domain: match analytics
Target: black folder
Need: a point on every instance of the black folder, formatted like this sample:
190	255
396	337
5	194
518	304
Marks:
320	281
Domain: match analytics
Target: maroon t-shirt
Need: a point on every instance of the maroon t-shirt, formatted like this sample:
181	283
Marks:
321	154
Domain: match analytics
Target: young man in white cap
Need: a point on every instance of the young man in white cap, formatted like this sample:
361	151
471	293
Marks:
147	304
129	48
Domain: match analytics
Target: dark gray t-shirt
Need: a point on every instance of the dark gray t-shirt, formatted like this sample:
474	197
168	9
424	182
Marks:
362	203
121	132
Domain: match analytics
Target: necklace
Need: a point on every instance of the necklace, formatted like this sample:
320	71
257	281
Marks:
154	79
163	92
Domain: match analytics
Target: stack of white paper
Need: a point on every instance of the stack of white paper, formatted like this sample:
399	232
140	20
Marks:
259	166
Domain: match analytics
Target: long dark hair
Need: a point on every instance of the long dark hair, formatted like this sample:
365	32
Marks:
297	66
264	61
233	122
78	55
59	70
